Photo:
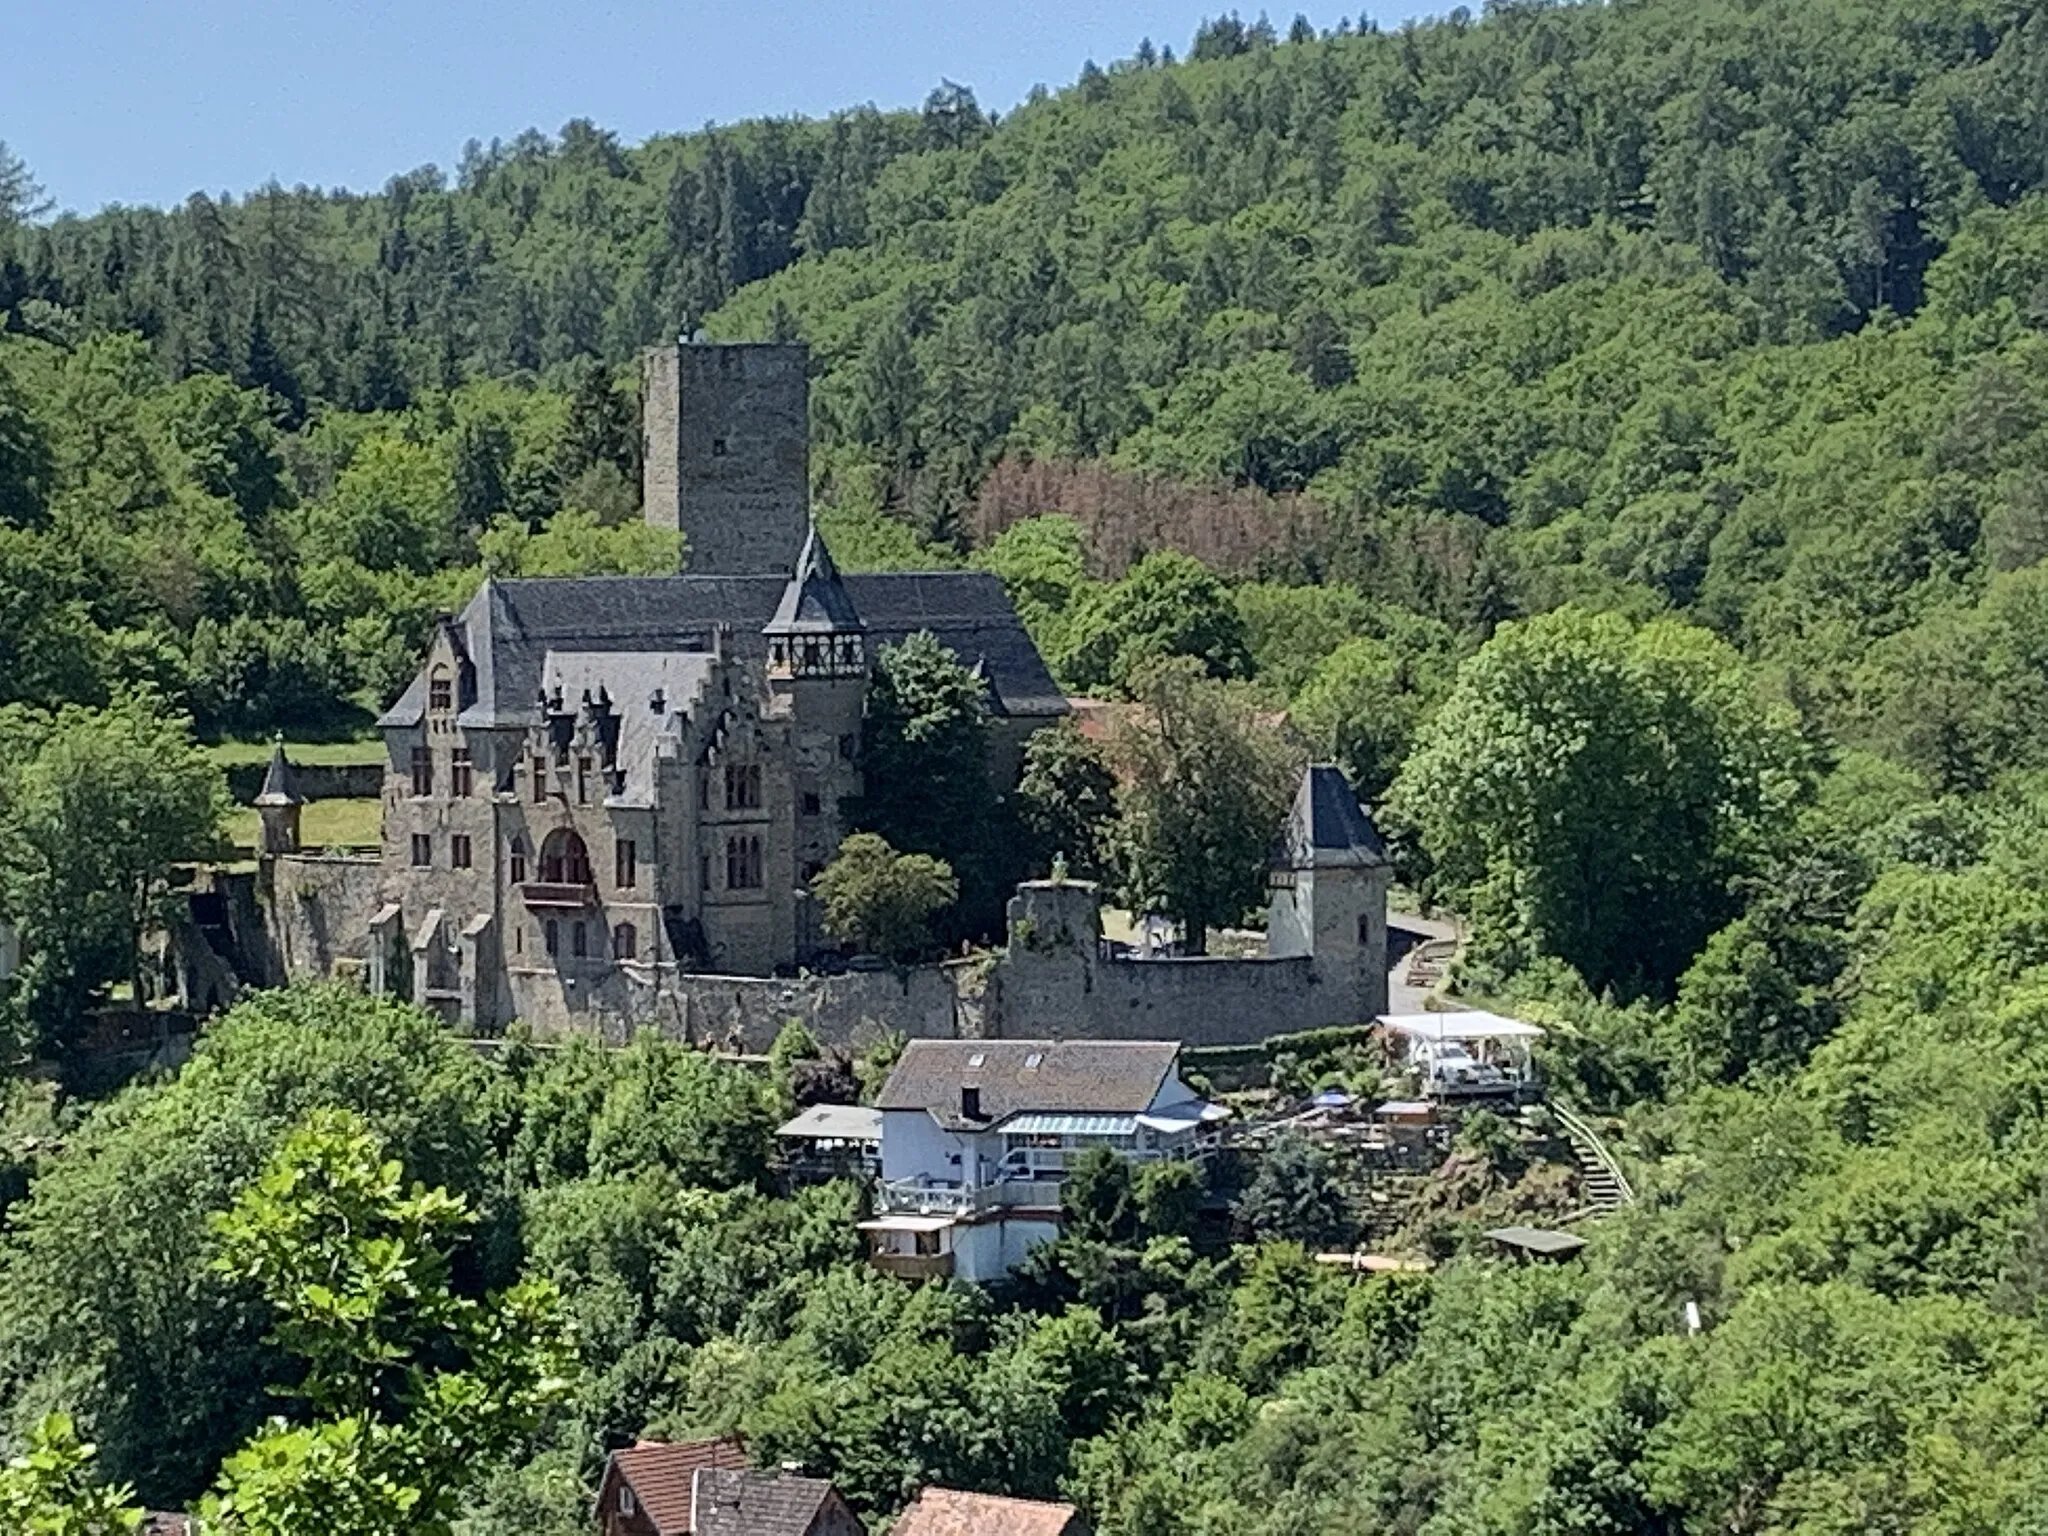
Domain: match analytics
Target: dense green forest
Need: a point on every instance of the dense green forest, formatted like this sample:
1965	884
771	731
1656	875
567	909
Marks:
1617	433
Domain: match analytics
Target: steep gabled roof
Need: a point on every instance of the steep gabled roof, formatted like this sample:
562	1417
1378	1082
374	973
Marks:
660	1475
510	626
816	600
1328	827
946	1512
734	1503
1104	1077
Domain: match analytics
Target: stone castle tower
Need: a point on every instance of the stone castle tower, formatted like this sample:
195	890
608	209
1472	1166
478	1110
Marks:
726	453
1329	890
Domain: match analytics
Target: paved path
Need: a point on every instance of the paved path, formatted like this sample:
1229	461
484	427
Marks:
1402	998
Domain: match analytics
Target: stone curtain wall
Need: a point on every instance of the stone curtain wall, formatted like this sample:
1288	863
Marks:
746	1012
320	912
1200	1002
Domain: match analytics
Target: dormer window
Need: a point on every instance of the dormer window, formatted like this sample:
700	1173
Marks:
440	691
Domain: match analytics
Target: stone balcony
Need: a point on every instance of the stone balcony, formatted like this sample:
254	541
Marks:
558	893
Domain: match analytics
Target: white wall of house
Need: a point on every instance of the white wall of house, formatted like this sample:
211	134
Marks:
915	1146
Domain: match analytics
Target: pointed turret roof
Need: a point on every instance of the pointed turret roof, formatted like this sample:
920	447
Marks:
278	786
816	600
1328	826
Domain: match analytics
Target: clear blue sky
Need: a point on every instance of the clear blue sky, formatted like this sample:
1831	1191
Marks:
146	101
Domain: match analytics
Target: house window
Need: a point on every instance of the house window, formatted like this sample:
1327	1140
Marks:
743	863
812	804
583	766
625	942
422	771
742	786
422	850
540	781
626	1504
440	691
579	941
461	774
551	937
459	851
626	858
518	860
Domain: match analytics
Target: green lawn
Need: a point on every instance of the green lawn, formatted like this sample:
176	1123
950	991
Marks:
322	824
330	754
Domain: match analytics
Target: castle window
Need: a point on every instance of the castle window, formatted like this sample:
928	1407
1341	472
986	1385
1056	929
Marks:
743	863
849	652
461	774
812	656
459	851
564	860
518	855
718	447
583	767
422	771
440	691
579	941
625	863
518	938
704	872
812	870
704	791
422	850
812	804
540	781
551	937
848	745
625	942
742	786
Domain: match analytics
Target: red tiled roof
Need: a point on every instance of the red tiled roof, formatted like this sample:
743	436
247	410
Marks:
947	1512
659	1474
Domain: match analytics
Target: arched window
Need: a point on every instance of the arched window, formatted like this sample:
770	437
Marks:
579	941
625	942
517	856
440	690
563	859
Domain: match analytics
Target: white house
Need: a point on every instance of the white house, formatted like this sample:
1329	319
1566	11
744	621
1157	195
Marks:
977	1134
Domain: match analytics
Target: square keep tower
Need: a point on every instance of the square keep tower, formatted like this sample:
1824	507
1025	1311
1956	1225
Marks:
728	453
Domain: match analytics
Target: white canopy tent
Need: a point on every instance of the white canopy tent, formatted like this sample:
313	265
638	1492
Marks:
1467	1053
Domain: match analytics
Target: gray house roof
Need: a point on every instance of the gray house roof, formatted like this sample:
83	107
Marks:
1104	1077
1328	826
509	628
729	1503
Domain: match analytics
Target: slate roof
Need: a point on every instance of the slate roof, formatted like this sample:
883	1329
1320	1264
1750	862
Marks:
510	626
660	1475
1069	1077
735	1503
816	600
279	788
631	682
946	1512
1327	825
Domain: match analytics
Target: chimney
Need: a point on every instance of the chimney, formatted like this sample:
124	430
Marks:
970	1103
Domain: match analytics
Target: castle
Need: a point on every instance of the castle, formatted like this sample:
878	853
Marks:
604	798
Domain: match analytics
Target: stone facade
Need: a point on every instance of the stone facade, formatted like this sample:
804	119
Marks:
726	435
